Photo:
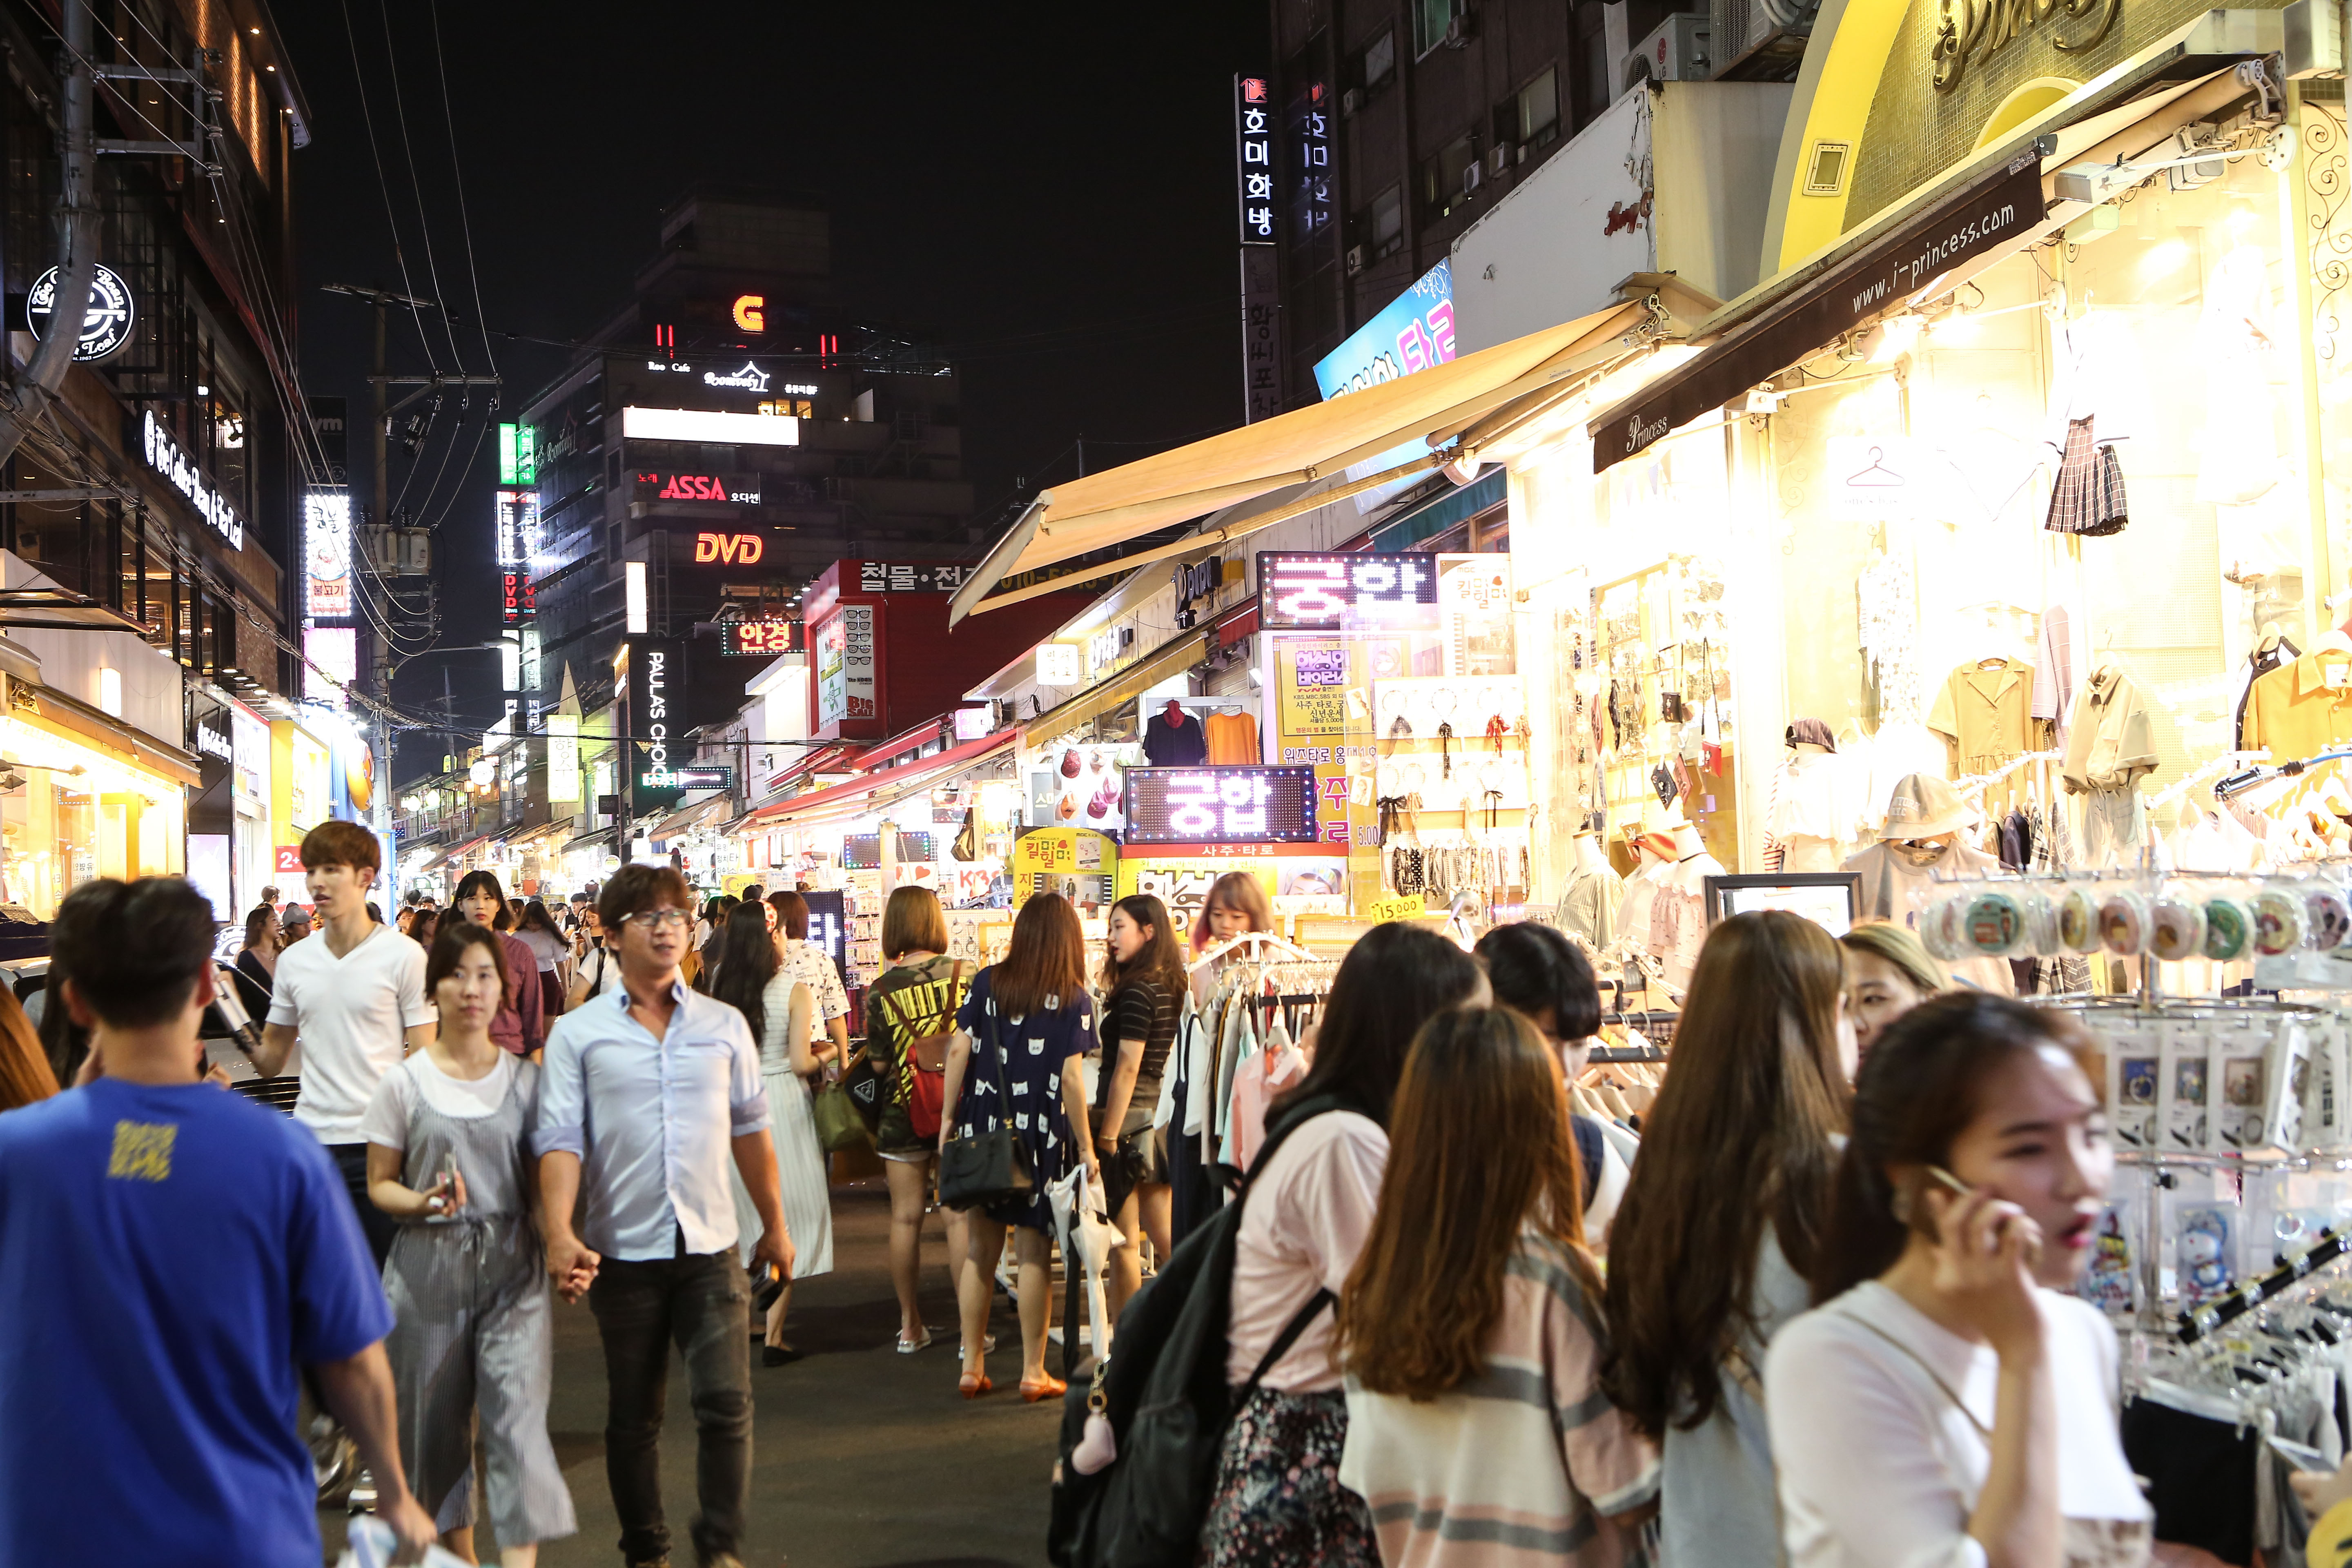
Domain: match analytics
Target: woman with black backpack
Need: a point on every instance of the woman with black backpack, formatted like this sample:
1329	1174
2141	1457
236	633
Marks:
1306	1215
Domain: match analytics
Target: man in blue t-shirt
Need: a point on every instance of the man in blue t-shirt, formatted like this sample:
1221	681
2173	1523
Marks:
169	1254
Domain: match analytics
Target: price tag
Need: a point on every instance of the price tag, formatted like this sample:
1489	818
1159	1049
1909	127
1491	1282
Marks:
1411	907
1044	852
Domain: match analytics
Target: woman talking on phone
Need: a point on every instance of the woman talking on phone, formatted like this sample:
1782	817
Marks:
448	1157
1947	1401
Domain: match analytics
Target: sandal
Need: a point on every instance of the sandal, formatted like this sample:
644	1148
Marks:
909	1347
972	1385
1051	1388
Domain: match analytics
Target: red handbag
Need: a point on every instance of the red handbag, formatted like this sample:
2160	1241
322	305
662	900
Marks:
927	1055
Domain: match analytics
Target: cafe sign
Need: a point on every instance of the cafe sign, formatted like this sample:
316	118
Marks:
1979	29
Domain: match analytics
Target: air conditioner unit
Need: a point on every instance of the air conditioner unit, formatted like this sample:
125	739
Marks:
1350	102
1677	51
1460	30
1498	158
1472	174
1355	259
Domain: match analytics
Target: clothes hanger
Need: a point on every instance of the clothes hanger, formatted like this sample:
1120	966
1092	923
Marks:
1877	475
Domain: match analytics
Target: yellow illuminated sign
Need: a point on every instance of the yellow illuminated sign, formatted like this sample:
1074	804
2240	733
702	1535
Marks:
751	312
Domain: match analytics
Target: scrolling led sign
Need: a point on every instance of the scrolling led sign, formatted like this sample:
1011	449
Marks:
1221	805
766	636
1335	593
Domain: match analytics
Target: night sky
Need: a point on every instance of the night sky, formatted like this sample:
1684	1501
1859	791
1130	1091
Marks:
1045	192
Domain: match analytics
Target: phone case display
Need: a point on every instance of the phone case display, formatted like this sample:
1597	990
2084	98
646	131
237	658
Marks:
863	950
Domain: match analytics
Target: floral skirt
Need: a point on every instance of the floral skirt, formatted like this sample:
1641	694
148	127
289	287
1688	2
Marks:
1278	1502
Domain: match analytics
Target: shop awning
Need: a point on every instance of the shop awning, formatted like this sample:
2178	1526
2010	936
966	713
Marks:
1305	446
2007	197
688	818
602	838
1168	660
875	791
77	721
452	853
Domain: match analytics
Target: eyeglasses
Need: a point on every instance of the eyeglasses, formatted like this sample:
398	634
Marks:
660	920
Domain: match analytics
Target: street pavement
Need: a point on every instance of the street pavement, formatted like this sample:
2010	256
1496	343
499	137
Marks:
862	1458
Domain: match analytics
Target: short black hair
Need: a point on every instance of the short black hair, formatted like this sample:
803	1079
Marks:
1533	967
132	951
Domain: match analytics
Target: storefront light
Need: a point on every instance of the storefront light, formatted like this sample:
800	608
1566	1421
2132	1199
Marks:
2164	257
1892	339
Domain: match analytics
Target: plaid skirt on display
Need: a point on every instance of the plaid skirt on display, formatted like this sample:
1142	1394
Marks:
2089	495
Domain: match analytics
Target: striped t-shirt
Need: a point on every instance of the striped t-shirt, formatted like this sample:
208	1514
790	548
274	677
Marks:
1523	1465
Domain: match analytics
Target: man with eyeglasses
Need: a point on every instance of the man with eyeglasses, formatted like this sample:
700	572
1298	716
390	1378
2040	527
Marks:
646	1094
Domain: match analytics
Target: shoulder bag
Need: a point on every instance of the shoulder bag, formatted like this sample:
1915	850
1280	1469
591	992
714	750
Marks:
927	1061
991	1166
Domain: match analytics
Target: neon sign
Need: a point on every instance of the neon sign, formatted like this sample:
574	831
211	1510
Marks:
105	322
663	484
761	638
751	378
1330	592
729	549
1254	158
520	597
1221	805
164	455
751	312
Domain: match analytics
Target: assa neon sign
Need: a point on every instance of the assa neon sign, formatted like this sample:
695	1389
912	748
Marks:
729	549
666	484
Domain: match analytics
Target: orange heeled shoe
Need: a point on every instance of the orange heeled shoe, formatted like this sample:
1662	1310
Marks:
1052	1388
972	1385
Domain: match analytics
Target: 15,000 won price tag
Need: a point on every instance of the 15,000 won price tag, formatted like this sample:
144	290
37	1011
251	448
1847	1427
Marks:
1408	908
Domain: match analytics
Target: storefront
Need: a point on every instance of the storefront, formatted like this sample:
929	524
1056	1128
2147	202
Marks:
82	797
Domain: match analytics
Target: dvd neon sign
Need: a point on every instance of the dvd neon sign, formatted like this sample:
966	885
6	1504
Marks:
729	549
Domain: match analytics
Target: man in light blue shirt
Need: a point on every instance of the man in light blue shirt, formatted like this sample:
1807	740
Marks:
647	1093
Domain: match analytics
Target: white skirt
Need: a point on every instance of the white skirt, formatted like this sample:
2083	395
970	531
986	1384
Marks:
801	1165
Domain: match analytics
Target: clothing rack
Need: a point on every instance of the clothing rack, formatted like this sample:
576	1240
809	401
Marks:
2220	764
1975	783
1258	942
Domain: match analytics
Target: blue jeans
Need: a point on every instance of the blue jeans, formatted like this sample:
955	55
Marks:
701	1302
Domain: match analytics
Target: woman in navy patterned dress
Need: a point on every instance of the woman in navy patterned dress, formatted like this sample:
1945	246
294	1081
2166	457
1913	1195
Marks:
1022	1026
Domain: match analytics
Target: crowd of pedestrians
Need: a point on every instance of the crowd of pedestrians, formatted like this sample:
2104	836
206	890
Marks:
1830	1330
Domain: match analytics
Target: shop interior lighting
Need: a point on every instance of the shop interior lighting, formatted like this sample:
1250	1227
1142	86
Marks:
1893	338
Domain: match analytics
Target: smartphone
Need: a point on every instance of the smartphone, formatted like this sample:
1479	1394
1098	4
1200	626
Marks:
1951	1181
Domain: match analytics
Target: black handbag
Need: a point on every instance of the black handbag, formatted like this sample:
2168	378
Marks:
991	1166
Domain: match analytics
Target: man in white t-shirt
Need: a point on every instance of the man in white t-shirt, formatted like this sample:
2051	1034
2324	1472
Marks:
354	996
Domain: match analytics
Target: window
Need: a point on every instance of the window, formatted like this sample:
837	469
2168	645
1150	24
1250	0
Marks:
1384	230
1429	22
1540	109
1380	59
1595	72
1441	179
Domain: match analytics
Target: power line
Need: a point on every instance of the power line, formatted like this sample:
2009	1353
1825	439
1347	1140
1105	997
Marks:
416	185
368	116
458	176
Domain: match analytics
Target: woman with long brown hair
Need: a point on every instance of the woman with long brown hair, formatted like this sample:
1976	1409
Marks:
1468	1325
1307	1209
1721	1222
1023	1025
1143	984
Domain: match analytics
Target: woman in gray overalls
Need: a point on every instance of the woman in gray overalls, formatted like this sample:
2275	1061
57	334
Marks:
448	1156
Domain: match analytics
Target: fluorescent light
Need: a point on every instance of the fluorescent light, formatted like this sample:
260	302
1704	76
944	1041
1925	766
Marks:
708	426
632	591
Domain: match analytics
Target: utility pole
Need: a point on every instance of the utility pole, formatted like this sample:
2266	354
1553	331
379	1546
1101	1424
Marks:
381	381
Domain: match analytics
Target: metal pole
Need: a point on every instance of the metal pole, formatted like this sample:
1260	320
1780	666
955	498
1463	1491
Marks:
77	243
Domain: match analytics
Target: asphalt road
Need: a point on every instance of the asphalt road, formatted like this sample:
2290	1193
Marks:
862	1458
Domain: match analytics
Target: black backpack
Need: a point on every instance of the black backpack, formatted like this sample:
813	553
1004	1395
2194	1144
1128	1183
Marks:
1163	1390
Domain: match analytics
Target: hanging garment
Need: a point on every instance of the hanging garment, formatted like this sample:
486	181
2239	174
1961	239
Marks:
1588	908
2293	711
1984	712
1816	805
1233	740
2054	664
1886	608
1182	745
2053	853
2088	498
2259	663
2109	745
